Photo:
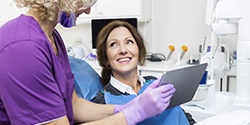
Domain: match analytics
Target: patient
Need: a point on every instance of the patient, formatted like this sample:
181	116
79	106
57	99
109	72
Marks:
120	49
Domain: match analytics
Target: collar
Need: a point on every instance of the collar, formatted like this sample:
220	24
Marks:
122	87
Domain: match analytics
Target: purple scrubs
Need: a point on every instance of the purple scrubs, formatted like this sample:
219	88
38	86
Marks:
35	84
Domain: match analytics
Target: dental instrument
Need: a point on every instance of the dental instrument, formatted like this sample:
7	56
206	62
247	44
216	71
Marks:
172	48
184	48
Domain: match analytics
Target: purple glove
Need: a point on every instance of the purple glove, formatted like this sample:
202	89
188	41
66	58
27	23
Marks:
118	108
153	101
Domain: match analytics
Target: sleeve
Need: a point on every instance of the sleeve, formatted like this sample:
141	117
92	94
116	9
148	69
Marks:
30	92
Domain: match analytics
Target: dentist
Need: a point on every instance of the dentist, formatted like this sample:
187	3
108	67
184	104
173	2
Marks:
36	82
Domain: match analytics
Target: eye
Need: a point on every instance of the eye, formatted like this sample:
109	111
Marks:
130	41
113	44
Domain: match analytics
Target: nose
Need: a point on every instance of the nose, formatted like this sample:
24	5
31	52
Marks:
80	11
123	50
87	11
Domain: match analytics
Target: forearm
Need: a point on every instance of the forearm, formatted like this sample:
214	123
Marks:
85	111
117	119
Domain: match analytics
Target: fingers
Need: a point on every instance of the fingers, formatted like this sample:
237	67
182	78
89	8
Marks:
165	88
162	91
165	93
167	98
156	83
163	102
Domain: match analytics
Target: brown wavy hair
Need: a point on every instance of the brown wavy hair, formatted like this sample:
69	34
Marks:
101	47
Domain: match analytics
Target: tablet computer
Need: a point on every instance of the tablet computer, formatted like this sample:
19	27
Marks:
186	81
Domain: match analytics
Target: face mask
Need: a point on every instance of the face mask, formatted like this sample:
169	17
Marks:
66	21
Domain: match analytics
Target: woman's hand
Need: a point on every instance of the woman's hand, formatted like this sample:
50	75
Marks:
153	101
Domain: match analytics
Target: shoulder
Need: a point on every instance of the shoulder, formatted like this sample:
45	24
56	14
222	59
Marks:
28	40
22	28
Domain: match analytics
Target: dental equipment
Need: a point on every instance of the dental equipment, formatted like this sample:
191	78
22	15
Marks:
172	48
184	48
202	47
221	16
235	9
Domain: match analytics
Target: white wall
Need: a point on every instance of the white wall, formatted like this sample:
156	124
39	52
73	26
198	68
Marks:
181	22
174	22
178	22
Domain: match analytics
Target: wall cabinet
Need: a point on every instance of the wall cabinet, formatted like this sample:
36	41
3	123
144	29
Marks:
140	9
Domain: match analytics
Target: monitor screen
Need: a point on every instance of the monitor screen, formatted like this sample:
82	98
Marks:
98	24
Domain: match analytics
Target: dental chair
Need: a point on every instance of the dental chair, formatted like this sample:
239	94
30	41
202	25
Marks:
87	80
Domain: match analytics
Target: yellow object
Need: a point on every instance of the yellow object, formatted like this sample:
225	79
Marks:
171	47
184	48
171	51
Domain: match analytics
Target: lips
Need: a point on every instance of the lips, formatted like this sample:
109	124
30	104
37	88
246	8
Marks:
125	59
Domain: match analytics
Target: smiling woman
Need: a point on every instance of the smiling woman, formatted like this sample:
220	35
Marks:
98	24
102	45
120	49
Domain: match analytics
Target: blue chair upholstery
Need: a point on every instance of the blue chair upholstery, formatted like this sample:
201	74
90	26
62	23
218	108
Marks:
87	80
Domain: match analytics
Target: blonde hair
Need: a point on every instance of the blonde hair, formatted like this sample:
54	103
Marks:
49	8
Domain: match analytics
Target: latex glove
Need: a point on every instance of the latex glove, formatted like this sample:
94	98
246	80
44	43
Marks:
153	101
118	108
